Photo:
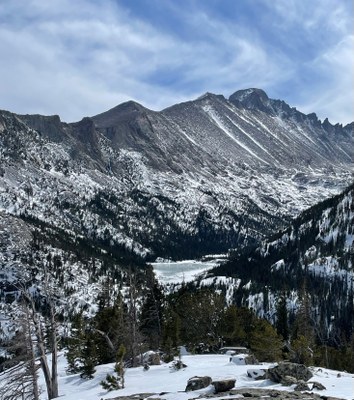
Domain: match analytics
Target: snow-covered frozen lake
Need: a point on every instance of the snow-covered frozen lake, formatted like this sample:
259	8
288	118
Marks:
182	271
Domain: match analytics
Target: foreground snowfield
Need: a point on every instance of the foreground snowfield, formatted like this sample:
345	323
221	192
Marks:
161	378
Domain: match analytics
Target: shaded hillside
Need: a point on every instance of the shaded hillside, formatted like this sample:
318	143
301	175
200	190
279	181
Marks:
316	254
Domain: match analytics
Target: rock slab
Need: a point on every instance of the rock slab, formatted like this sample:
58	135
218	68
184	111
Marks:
223	385
198	382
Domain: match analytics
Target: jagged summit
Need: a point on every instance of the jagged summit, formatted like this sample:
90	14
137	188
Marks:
251	95
257	99
252	99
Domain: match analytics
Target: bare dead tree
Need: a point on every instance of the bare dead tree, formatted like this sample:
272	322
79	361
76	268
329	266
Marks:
134	338
107	339
50	374
21	380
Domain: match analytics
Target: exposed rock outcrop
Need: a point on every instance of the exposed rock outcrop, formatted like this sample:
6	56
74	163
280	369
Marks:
198	382
301	386
317	385
246	393
284	370
257	373
223	385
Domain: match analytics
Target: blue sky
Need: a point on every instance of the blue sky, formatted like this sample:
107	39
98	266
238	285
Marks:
79	58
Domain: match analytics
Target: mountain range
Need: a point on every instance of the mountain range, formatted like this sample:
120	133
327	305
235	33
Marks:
85	206
198	177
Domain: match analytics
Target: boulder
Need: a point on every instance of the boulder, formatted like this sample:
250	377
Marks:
286	369
288	380
301	386
223	385
257	373
198	382
152	358
317	385
244	359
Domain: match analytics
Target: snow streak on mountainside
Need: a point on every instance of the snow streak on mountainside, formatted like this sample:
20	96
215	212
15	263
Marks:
196	178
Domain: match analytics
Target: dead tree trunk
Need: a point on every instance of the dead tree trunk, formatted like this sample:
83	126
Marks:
134	337
50	375
20	380
54	345
32	365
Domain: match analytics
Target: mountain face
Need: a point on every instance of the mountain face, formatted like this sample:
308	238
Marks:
198	177
313	257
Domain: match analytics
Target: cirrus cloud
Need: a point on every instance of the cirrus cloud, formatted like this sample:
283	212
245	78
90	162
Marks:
81	58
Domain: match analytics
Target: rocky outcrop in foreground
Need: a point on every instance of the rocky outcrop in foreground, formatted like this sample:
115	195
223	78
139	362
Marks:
246	393
288	373
201	382
274	394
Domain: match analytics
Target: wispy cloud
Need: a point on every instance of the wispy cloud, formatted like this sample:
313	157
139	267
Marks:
333	96
81	58
318	37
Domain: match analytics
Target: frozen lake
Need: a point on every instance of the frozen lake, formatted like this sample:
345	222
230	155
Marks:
181	271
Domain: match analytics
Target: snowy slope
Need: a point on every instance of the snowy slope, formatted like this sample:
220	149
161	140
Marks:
162	379
316	254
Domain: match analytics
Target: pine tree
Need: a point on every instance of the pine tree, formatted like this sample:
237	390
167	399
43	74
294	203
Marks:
76	343
232	328
115	382
303	336
88	358
301	350
171	332
200	313
282	318
265	343
151	313
109	328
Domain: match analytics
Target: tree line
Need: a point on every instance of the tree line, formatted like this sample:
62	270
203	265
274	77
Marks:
146	318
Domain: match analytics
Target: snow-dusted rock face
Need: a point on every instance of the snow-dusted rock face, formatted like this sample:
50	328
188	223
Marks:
195	178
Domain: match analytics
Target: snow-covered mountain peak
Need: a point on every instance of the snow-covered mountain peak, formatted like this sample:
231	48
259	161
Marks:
253	99
207	172
245	95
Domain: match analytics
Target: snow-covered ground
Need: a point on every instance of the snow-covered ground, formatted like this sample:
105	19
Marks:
181	271
161	378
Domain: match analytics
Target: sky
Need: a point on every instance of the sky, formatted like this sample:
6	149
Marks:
80	58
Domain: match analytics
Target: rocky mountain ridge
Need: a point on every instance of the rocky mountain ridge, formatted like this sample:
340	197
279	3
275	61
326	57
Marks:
198	177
